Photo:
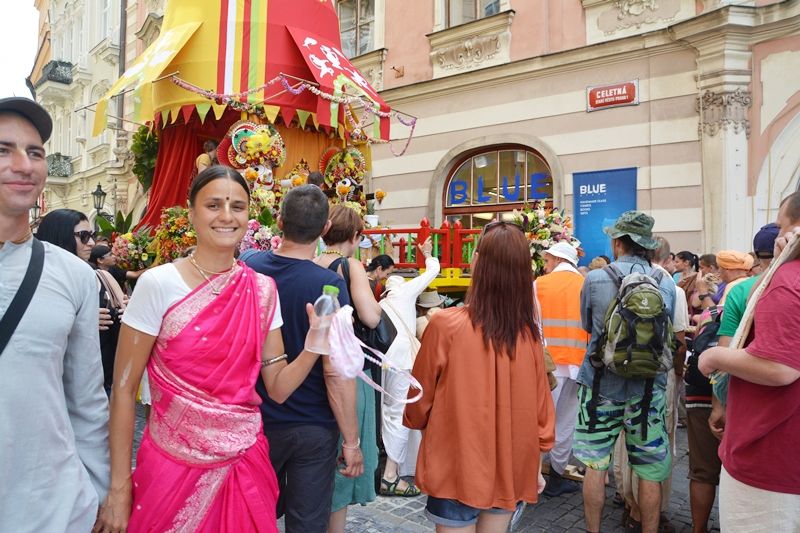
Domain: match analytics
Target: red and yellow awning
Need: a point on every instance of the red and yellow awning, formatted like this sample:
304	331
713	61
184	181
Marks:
235	47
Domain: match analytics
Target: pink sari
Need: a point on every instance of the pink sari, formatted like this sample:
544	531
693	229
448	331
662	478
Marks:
203	464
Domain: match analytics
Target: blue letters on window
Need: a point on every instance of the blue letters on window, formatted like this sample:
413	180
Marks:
458	192
508	196
539	185
482	197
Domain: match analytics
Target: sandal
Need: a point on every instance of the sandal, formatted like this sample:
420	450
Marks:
389	488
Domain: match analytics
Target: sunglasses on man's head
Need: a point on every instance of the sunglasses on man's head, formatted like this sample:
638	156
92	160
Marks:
85	235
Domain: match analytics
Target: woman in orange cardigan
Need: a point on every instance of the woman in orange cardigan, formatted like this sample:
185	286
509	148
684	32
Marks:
487	413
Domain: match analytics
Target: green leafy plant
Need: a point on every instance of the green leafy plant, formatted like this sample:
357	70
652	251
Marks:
122	224
144	146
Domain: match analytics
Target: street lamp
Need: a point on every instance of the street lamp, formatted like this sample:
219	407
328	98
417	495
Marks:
99	199
35	210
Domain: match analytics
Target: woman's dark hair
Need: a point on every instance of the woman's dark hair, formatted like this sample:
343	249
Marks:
384	261
345	224
98	252
500	298
212	173
690	258
58	227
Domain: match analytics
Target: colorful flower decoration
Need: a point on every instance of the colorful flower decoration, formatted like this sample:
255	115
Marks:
174	235
133	249
348	163
380	194
545	226
259	237
298	175
254	149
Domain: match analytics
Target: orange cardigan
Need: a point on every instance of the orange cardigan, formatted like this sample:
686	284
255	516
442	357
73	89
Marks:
485	417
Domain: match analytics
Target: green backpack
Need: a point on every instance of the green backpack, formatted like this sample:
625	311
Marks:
637	339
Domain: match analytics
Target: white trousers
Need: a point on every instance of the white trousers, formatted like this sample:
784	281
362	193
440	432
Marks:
394	433
747	509
565	398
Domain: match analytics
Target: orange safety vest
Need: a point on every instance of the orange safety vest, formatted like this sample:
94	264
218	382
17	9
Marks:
559	295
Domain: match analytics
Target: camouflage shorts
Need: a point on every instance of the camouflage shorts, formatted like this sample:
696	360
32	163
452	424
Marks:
649	457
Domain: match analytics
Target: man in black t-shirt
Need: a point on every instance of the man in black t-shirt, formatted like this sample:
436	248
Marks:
303	432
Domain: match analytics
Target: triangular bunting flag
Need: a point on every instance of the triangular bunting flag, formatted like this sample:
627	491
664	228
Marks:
202	111
316	122
219	109
164	117
271	111
187	113
302	118
288	114
174	113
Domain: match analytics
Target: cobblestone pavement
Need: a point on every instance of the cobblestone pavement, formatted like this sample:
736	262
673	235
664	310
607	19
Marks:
561	514
557	515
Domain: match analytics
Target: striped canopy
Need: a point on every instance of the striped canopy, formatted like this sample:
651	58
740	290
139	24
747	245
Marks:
233	47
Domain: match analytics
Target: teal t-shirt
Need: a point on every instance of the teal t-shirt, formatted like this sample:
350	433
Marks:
735	305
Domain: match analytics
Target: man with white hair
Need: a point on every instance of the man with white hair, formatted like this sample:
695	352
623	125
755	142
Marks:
558	293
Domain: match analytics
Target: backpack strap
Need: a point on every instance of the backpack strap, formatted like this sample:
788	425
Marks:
19	304
647	399
615	274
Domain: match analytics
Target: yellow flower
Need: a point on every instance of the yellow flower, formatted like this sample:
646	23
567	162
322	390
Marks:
145	257
380	194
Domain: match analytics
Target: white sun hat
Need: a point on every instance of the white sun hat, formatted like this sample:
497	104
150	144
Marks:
564	250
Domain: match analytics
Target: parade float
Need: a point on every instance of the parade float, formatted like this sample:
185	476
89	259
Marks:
268	82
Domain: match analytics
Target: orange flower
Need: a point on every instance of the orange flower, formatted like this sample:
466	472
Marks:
380	194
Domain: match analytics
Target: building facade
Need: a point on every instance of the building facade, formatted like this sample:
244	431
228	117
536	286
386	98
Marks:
502	92
80	58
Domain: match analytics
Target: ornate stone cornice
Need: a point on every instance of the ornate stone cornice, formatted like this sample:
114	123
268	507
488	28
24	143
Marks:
626	14
482	43
371	65
151	27
724	110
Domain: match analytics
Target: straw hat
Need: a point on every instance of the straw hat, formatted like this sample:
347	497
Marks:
430	299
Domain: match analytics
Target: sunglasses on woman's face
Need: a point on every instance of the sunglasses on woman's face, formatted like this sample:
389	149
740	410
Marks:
85	236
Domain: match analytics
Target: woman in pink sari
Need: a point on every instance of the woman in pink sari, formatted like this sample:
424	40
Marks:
205	327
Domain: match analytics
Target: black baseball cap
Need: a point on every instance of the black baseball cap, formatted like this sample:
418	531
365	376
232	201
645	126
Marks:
32	111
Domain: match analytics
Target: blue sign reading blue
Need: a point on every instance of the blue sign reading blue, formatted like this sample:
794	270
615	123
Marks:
599	199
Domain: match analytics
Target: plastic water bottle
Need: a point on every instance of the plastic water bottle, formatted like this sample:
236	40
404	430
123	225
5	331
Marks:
325	307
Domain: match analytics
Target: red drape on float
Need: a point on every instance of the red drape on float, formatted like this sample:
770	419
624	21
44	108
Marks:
180	144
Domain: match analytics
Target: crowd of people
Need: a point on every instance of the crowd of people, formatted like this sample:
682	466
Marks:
250	420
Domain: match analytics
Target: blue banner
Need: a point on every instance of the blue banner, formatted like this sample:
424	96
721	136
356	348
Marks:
599	199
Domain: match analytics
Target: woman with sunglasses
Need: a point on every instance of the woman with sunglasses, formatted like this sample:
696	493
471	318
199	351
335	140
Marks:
487	413
70	230
341	241
206	327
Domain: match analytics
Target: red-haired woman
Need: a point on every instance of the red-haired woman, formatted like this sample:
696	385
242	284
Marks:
487	410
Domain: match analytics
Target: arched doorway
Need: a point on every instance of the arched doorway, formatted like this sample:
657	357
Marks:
492	182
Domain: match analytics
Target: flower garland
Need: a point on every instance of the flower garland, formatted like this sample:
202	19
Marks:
545	226
233	100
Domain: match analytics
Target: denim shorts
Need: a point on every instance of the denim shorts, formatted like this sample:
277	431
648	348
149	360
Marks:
453	513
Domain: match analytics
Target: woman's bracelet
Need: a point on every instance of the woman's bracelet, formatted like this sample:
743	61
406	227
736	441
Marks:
278	359
357	445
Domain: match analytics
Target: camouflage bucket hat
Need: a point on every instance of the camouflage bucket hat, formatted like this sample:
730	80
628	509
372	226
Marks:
635	224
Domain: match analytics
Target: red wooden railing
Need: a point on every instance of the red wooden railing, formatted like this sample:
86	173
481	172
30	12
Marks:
453	246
